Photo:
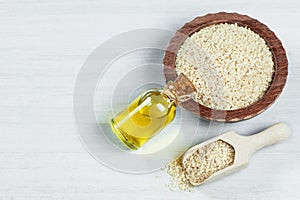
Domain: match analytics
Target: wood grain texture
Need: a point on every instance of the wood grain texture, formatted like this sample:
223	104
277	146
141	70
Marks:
279	58
43	45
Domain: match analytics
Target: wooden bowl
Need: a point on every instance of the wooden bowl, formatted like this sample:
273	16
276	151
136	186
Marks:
279	59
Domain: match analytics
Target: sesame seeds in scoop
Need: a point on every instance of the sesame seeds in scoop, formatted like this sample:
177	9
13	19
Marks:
200	165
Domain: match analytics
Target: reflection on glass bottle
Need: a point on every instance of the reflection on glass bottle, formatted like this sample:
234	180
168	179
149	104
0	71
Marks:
151	112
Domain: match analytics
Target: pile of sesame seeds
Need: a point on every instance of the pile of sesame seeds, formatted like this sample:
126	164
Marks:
200	165
231	66
179	181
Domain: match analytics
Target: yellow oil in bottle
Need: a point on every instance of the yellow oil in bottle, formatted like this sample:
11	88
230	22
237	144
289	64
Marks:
143	118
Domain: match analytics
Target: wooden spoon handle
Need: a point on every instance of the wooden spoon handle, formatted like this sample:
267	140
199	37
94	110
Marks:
274	134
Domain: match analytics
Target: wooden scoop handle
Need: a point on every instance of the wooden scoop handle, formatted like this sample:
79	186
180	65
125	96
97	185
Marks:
274	134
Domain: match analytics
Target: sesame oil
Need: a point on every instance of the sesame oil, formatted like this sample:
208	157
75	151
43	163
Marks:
143	118
150	112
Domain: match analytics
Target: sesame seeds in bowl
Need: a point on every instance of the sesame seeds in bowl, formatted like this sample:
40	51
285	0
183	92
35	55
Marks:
237	64
240	64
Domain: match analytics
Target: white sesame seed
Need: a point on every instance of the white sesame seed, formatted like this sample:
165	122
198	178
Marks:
200	165
231	66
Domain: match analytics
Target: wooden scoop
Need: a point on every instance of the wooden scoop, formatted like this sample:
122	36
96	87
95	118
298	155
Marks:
244	147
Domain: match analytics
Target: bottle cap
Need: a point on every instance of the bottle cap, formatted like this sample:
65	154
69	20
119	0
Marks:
180	90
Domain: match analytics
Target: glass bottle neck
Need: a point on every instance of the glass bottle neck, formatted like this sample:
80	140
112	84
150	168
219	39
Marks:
175	96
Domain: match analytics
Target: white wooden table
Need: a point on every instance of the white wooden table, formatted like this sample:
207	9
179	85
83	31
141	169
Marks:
43	45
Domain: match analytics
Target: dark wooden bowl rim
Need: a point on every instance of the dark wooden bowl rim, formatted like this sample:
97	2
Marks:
275	45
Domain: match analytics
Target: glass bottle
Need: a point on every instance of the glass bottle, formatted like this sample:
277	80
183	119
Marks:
151	112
